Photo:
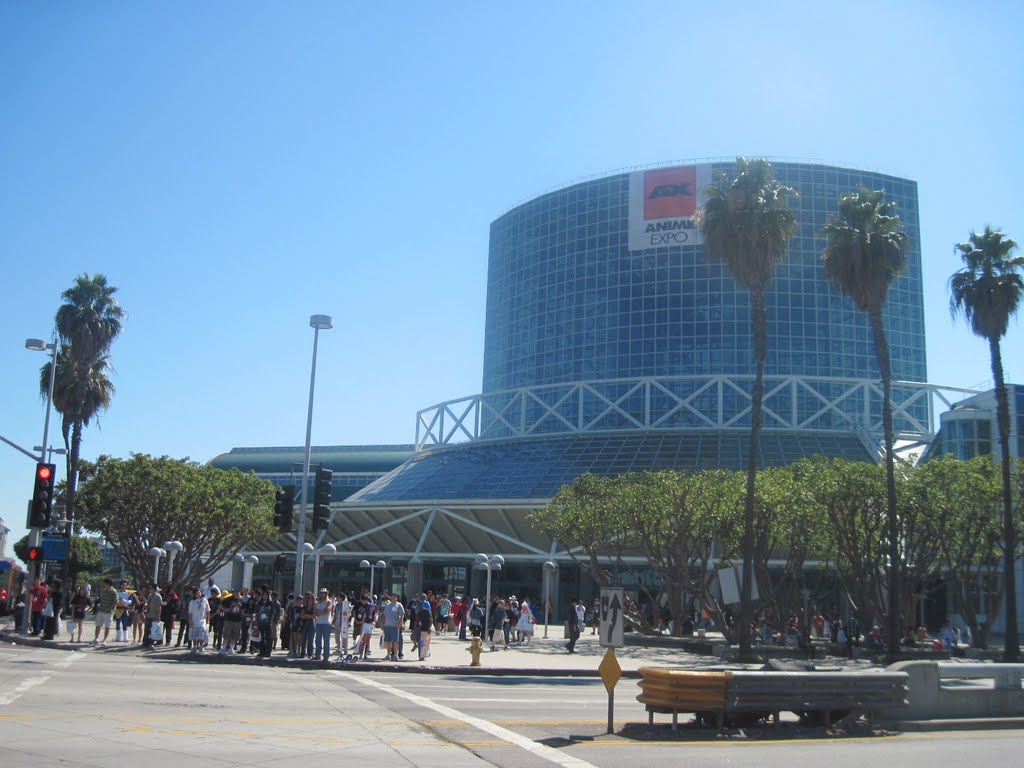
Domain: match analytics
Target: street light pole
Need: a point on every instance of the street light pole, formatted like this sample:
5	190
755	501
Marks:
326	549
156	553
373	567
317	323
35	535
173	548
492	563
549	570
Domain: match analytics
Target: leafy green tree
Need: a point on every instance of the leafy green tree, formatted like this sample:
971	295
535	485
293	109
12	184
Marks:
853	495
87	323
962	503
790	526
865	251
677	519
585	519
747	223
141	502
988	291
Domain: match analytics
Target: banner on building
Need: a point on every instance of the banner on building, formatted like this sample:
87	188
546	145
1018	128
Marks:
662	205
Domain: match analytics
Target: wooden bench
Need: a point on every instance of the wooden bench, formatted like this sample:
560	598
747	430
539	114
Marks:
719	696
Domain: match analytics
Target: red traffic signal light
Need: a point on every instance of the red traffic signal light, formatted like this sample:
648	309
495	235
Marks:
42	496
36	554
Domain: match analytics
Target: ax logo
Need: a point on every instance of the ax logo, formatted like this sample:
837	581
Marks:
670	192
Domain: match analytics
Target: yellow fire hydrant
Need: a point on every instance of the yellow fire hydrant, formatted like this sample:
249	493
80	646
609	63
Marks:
476	647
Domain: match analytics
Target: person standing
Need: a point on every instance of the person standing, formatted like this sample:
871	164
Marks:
393	616
575	625
425	620
38	596
496	619
168	613
154	605
56	603
79	604
183	618
358	617
475	618
106	601
231	607
198	618
526	621
444	613
322	625
122	613
306	629
264	621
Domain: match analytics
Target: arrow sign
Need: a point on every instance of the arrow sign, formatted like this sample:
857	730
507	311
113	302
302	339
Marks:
613	603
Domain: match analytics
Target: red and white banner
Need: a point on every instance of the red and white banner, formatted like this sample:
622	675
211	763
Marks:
662	204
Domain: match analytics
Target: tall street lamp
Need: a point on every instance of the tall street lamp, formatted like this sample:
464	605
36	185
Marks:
326	549
492	563
35	535
174	548
317	323
156	553
373	567
549	571
247	566
307	549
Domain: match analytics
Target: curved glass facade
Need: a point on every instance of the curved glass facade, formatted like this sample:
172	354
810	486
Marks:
568	300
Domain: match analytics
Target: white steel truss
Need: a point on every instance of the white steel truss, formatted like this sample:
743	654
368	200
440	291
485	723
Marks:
829	404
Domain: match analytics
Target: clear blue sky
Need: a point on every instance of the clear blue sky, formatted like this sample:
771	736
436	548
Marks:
234	167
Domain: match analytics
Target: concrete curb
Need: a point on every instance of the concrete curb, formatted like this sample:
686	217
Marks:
212	657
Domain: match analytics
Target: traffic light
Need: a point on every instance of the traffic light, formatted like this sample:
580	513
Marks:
284	504
321	498
280	562
42	496
36	555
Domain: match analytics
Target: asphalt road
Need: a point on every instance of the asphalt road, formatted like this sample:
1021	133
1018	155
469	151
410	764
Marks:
98	709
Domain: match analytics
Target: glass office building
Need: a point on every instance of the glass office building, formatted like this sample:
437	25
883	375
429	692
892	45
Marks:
568	299
611	346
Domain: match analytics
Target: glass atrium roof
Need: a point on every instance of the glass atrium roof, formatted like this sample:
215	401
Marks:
535	468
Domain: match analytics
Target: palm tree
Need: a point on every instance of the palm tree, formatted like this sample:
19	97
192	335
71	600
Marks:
99	392
87	323
865	251
987	292
746	223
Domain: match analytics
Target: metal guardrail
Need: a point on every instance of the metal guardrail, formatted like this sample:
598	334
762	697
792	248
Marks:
829	696
826	404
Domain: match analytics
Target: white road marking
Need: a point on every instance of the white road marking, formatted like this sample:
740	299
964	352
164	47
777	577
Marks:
540	750
28	683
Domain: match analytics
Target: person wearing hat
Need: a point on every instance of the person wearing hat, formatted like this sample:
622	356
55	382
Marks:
322	625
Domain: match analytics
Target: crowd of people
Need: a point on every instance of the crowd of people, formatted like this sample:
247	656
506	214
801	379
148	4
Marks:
259	622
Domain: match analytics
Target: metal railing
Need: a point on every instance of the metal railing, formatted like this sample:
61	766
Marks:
825	404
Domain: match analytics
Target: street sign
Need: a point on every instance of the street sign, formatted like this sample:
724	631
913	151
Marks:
610	674
610	670
56	548
613	609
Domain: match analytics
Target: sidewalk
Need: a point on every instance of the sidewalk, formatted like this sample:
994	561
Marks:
449	655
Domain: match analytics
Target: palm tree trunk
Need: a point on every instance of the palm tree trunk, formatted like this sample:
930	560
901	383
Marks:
70	489
759	323
885	370
1011	644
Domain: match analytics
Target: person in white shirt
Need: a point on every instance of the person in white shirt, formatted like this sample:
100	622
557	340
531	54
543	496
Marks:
322	625
198	616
